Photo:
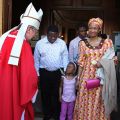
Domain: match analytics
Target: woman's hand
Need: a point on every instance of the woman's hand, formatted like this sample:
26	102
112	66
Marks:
96	63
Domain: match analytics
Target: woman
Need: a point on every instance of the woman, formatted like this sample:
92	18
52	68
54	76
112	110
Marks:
89	103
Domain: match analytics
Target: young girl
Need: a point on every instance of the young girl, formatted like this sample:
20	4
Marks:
68	92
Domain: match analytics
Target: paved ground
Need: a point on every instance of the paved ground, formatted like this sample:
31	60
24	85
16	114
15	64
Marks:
114	116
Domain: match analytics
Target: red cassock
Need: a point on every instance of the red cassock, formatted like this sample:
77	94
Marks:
18	84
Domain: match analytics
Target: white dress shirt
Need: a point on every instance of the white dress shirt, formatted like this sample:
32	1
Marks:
73	49
50	56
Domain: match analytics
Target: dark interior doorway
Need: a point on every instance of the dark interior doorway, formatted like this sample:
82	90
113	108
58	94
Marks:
71	35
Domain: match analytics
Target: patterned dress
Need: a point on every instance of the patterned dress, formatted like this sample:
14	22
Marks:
89	104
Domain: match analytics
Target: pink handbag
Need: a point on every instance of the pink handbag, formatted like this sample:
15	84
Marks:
92	83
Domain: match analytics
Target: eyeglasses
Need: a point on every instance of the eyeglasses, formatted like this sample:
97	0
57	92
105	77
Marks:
33	28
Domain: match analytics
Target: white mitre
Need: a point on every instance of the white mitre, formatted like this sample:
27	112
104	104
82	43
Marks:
30	17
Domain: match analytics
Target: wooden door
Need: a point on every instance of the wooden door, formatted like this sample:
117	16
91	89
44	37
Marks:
7	15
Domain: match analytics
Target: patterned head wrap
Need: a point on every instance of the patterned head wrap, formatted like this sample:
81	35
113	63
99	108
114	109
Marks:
97	21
